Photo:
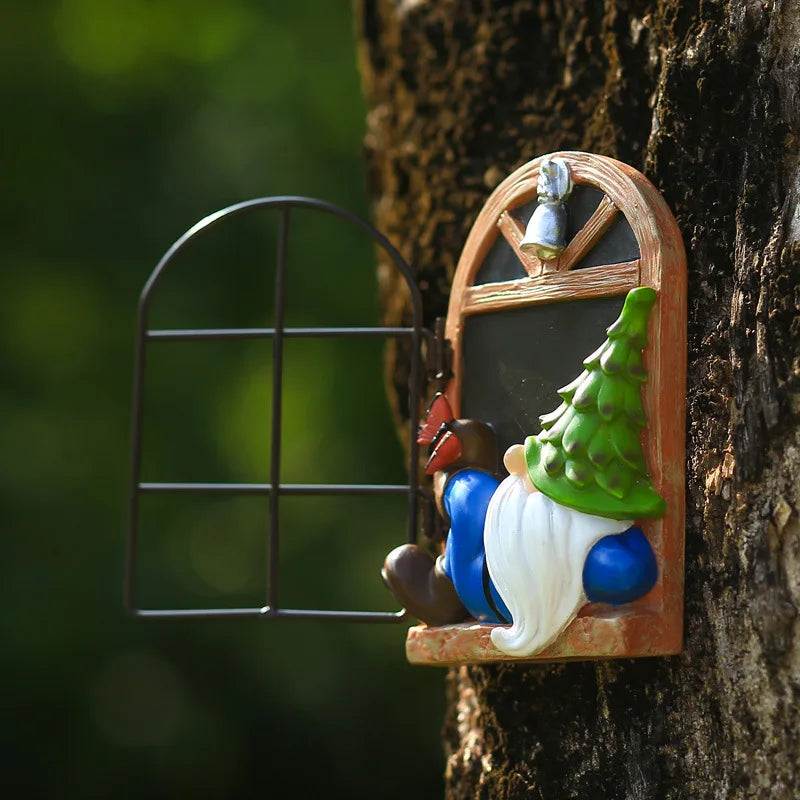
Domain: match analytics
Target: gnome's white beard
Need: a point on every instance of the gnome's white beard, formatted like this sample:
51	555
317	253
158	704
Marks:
535	551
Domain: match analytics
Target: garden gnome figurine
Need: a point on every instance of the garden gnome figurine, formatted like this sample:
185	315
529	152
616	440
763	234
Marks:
559	530
528	552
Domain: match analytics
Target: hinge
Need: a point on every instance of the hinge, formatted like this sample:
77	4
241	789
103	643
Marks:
440	357
439	370
434	528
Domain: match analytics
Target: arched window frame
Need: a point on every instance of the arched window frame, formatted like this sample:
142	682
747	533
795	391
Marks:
654	624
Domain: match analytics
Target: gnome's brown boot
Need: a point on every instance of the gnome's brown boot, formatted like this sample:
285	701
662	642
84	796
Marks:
420	585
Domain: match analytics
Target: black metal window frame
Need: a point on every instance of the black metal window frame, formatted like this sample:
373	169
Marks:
274	489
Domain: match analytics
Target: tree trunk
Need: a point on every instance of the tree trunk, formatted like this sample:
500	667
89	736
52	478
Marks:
703	98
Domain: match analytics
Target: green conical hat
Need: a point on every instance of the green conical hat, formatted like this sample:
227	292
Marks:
588	455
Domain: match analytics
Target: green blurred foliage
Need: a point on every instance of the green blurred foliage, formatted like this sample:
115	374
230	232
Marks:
123	123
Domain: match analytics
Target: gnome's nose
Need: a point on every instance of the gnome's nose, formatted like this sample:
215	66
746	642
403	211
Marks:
514	461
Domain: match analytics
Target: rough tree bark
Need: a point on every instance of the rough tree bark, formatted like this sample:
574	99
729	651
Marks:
703	98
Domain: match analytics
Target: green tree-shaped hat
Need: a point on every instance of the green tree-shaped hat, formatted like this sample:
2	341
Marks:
588	455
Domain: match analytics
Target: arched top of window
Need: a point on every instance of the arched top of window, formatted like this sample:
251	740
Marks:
620	235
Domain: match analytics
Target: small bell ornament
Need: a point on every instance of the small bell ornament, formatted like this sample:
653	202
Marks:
545	234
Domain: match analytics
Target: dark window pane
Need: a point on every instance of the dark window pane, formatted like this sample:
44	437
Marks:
501	263
514	361
617	245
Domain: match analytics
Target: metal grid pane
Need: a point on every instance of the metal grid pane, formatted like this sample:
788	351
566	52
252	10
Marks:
274	489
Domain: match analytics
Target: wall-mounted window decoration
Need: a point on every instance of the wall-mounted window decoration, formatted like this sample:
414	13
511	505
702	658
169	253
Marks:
554	512
557	448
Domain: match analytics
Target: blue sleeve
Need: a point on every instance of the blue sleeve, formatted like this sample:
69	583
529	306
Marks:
620	569
466	500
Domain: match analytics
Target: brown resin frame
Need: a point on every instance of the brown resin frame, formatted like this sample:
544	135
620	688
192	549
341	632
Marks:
653	625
